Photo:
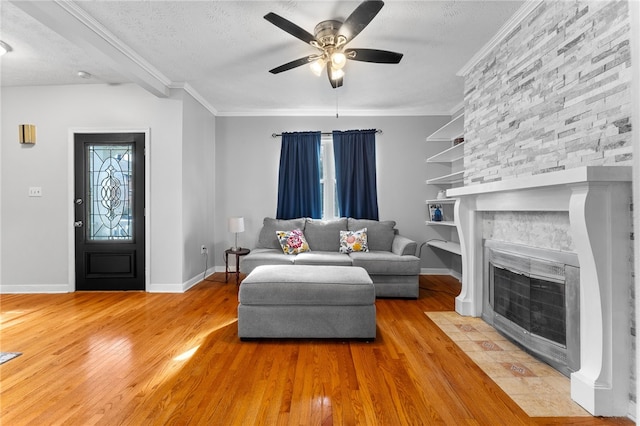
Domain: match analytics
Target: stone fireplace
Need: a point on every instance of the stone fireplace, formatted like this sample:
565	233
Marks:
597	200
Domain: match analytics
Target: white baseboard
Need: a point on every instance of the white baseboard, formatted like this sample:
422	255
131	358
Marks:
180	288
34	288
632	411
441	271
165	288
220	268
64	288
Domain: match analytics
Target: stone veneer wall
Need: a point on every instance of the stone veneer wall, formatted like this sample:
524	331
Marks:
553	95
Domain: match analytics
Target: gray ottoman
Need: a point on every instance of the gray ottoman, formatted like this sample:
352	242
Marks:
300	301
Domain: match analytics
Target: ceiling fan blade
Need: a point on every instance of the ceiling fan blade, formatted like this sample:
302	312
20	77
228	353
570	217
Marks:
290	65
360	18
373	55
289	27
335	82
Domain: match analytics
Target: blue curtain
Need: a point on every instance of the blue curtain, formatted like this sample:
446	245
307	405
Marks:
299	193
355	155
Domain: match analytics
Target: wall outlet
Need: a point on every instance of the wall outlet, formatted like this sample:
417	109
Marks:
203	249
35	191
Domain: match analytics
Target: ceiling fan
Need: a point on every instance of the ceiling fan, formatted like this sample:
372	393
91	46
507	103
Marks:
330	38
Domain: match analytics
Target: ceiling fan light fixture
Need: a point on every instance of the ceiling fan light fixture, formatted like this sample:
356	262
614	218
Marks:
4	48
336	74
338	60
317	66
330	38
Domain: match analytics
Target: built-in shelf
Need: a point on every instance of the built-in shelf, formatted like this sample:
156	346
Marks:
453	129
441	201
451	178
454	156
449	246
441	222
456	152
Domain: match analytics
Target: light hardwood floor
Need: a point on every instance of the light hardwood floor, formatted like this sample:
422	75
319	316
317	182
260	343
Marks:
155	359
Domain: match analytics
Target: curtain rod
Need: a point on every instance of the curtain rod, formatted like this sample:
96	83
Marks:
277	135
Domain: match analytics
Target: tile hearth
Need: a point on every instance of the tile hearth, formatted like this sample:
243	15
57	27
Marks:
537	388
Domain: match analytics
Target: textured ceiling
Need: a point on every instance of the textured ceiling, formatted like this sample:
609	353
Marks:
222	51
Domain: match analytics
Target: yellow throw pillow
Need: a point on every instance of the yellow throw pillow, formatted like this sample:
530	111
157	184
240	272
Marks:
351	241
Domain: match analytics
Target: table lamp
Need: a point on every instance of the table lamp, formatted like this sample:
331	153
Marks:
236	224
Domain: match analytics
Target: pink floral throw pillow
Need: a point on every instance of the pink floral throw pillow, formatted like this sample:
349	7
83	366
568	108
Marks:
292	242
351	241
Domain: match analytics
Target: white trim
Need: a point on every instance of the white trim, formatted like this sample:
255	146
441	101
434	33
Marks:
1	223
181	288
413	112
73	23
101	31
71	286
457	109
35	288
634	11
575	175
165	288
440	271
195	95
504	31
191	282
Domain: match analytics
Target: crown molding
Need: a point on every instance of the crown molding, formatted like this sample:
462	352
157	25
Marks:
332	113
517	18
68	19
72	22
101	31
457	109
195	95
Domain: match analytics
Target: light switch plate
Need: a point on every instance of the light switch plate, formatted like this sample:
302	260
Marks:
35	191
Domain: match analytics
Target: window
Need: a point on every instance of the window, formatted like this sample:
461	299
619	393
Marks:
328	179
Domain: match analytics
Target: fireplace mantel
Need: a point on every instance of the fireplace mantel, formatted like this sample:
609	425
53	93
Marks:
597	199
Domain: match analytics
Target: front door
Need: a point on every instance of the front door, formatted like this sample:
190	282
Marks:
109	211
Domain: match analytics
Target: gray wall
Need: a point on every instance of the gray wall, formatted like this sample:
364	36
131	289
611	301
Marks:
247	160
202	170
198	182
37	246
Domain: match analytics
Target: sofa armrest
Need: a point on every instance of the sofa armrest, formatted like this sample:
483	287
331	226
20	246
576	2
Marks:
403	246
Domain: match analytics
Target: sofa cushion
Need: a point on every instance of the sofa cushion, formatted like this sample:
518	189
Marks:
263	256
351	241
386	263
379	233
324	235
323	258
307	285
268	238
292	242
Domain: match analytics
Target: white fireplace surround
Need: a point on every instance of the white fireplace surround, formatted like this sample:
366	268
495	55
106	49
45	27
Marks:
598	201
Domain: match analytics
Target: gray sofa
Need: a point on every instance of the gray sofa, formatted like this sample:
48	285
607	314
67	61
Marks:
390	262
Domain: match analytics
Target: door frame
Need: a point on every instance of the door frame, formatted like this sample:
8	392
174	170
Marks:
71	197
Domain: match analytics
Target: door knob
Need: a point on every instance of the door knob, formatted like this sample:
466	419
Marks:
78	224
78	201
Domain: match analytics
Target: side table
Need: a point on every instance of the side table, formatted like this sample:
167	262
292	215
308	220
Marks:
237	253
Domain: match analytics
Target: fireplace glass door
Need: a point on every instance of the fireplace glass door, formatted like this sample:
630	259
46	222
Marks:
532	295
537	305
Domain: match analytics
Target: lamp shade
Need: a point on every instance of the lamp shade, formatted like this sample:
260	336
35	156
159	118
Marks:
236	224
